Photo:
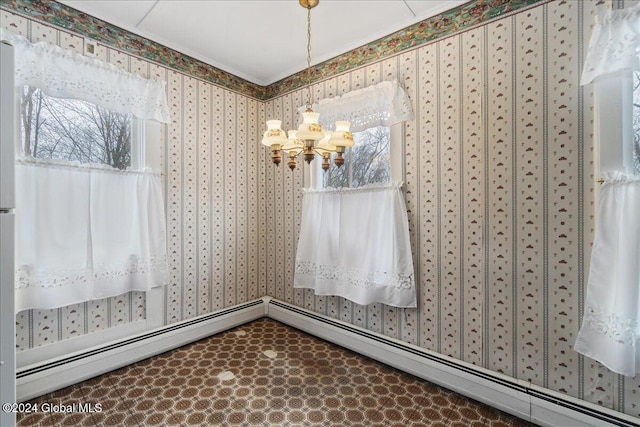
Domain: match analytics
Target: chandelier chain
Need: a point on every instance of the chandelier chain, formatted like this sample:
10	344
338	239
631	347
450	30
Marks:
309	95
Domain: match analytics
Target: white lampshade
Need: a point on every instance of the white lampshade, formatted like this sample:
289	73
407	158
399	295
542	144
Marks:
274	135
293	143
324	146
342	137
310	128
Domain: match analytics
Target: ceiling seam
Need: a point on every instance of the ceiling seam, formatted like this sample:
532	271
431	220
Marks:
409	7
147	14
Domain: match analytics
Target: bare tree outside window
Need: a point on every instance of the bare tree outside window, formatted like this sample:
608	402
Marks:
636	122
368	162
73	130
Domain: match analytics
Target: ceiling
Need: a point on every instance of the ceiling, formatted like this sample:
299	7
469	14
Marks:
261	41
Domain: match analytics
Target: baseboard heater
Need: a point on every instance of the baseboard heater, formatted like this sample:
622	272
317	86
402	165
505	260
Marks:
520	398
38	379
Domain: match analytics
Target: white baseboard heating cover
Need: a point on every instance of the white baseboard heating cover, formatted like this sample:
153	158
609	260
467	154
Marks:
523	399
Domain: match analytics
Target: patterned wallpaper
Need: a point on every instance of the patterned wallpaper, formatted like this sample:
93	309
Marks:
499	179
211	166
453	20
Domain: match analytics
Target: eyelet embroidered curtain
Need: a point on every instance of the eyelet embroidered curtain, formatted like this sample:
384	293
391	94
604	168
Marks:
610	327
610	331
354	243
614	45
383	104
85	233
64	73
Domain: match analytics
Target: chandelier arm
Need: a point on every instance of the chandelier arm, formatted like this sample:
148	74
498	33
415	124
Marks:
320	153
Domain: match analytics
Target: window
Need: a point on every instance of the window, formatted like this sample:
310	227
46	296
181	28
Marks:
617	123
375	158
370	260
91	221
376	114
77	131
611	305
368	162
80	175
80	131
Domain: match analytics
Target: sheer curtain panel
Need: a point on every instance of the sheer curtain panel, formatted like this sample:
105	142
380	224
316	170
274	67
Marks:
611	323
354	243
610	330
84	233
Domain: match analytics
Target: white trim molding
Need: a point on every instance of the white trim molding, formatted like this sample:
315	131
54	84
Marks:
520	398
38	379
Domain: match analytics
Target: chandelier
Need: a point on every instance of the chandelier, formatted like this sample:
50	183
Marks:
310	139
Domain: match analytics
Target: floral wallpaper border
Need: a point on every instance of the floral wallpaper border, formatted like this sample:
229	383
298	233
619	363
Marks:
454	20
460	18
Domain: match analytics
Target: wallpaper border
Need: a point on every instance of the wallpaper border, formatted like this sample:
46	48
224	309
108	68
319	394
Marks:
460	18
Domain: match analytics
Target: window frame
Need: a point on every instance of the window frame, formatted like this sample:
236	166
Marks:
613	123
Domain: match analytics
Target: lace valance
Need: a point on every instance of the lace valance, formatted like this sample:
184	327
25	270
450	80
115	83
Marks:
63	73
384	104
614	44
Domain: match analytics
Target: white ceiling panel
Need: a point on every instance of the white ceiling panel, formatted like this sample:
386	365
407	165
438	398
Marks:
261	41
244	38
426	9
123	13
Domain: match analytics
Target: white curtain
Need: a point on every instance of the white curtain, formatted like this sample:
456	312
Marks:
383	104
64	73
86	233
355	243
611	324
610	331
614	44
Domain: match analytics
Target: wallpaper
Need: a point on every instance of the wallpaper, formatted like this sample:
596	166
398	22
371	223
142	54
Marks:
500	194
210	168
499	186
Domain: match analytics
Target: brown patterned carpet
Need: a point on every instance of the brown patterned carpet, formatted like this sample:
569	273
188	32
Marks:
268	374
